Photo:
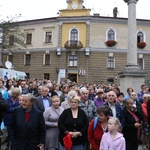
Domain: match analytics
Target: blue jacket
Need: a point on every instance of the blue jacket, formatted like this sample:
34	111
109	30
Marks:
12	106
119	113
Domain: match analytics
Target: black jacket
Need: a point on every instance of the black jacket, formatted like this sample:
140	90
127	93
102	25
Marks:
68	123
27	135
130	132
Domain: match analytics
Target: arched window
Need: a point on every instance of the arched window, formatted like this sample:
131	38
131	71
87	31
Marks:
74	35
111	35
140	37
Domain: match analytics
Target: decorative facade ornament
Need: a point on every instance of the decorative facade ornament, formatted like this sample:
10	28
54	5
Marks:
58	51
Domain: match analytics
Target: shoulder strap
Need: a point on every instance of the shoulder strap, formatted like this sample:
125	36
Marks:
95	122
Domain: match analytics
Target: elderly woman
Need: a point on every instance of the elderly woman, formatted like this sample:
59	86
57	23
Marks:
73	121
51	116
132	126
13	102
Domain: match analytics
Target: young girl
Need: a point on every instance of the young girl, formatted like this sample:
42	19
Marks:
113	140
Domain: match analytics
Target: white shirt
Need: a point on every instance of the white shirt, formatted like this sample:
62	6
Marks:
45	102
113	108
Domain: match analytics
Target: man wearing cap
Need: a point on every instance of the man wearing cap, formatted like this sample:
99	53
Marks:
99	98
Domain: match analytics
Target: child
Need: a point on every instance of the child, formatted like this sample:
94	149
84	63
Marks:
120	102
113	140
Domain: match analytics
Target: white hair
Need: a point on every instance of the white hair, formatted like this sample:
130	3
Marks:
83	89
72	93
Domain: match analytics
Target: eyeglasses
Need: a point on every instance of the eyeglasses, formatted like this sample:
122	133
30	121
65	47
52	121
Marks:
74	102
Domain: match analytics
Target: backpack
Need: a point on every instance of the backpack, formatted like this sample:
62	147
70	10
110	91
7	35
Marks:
95	122
4	106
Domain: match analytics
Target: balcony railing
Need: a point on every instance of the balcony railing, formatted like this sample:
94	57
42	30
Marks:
73	44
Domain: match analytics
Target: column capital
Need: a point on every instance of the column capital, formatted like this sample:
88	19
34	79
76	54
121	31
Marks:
60	23
130	1
88	22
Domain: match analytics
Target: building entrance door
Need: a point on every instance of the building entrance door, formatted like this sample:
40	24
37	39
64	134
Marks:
73	77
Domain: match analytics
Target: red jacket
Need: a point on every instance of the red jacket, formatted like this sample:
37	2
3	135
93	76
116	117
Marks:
95	135
144	109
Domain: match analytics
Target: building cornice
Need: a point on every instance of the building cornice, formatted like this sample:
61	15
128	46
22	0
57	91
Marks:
71	19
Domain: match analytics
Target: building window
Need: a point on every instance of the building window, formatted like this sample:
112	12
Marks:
10	58
46	76
48	38
73	61
29	38
11	40
111	62
46	59
74	35
111	35
28	75
27	59
140	63
140	37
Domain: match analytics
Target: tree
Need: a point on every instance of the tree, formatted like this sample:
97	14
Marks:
11	37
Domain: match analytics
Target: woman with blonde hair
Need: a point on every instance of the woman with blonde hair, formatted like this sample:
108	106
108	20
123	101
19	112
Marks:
74	122
66	103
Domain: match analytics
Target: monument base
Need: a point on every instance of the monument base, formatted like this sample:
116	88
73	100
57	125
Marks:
131	76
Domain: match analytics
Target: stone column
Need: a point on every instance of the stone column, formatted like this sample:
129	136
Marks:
132	37
132	75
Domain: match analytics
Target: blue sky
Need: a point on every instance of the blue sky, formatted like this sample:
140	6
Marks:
35	9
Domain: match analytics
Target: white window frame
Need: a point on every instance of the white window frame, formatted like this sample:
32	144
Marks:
44	56
48	29
144	35
113	63
25	59
51	37
143	67
77	31
72	61
115	36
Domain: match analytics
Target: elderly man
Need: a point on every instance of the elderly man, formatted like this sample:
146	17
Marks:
115	110
43	101
87	105
27	127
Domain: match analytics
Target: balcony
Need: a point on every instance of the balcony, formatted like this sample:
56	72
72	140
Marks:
73	45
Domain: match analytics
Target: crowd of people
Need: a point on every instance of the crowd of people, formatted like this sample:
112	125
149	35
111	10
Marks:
44	115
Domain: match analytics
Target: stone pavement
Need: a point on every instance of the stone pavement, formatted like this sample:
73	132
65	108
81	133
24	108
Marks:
4	145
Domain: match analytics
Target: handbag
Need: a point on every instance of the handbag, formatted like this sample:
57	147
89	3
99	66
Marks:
67	141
